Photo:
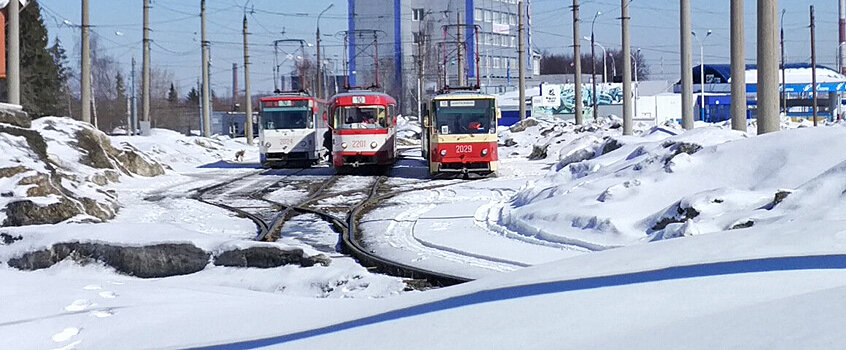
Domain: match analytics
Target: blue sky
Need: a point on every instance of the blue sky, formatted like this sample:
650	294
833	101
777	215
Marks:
176	25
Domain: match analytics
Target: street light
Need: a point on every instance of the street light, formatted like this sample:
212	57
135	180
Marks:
604	61
701	72
593	63
636	58
613	66
319	62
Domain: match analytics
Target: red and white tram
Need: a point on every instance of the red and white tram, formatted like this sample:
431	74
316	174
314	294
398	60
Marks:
363	129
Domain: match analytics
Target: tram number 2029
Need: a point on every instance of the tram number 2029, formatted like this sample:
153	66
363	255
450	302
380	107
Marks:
463	149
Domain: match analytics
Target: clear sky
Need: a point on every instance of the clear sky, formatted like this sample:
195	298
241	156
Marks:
176	26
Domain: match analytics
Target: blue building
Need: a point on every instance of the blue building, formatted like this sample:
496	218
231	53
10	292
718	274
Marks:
798	89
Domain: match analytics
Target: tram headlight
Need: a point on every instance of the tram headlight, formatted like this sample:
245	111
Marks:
344	145
267	145
485	152
373	145
443	153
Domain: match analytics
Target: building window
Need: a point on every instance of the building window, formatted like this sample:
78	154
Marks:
513	19
487	15
417	38
477	14
417	14
496	62
513	41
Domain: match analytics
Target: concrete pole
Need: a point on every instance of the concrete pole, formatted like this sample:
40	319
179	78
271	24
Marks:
738	68
85	75
577	63
134	100
248	93
814	65
145	74
593	73
842	58
13	66
783	68
234	86
768	118
627	70
462	81
206	94
686	66
522	58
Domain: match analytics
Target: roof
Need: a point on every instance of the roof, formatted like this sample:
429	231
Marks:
795	73
463	94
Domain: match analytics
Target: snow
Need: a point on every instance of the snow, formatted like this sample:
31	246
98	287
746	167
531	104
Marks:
594	246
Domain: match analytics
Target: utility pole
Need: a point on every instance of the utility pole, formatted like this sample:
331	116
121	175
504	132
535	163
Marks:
128	117
841	51
248	93
522	58
738	68
85	75
145	74
686	66
577	63
627	70
421	42
783	69
461	77
814	63
134	101
13	66
593	68
205	65
320	86
234	87
768	118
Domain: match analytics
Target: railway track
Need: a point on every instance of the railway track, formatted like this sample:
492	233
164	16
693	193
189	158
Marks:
343	217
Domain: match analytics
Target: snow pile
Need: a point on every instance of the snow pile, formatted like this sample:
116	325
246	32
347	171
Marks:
59	170
183	153
606	190
408	131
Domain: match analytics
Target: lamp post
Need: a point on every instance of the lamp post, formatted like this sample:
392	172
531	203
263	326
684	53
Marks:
636	58
613	66
319	62
604	60
783	67
701	73
593	63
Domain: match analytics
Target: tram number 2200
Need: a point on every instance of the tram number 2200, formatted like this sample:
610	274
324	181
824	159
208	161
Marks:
464	149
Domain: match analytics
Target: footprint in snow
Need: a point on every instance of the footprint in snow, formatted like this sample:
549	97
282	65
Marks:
103	313
65	335
92	287
70	346
79	305
108	295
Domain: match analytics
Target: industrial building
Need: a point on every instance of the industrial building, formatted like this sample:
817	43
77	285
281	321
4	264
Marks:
410	34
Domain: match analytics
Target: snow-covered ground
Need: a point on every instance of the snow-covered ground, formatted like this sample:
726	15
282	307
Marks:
720	239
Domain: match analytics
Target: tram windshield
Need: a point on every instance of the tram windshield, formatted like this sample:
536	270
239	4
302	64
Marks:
465	116
286	118
361	117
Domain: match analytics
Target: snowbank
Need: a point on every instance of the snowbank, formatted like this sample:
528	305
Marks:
606	190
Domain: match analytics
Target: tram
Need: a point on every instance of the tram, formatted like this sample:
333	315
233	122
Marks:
291	128
362	128
460	135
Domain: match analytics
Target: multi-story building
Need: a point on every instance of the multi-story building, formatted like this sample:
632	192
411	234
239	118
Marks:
411	36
